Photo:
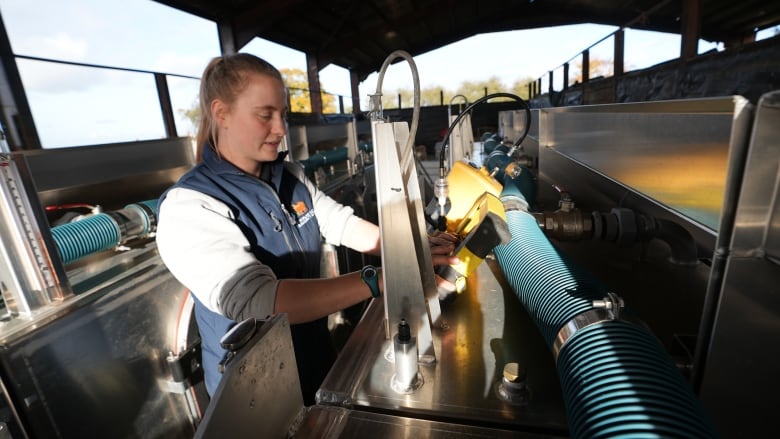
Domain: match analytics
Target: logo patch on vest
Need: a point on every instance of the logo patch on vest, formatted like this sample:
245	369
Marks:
302	212
300	208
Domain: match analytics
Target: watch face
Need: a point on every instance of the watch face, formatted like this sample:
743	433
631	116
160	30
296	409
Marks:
370	277
369	272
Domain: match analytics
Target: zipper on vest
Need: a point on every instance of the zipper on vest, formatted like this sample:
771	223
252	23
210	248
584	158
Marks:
296	233
291	230
277	222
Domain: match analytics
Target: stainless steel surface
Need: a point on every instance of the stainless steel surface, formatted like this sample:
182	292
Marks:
461	140
332	422
675	152
30	278
100	366
757	227
740	372
407	377
307	139
259	395
96	360
512	123
109	175
482	330
409	286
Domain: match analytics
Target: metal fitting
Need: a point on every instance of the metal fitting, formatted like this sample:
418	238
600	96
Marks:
611	302
513	388
607	309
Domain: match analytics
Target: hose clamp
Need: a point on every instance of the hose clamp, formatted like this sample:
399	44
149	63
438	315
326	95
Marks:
608	309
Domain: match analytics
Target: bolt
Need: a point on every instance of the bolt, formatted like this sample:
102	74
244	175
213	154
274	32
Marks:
514	373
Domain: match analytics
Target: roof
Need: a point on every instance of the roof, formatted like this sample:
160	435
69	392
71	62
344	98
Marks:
359	34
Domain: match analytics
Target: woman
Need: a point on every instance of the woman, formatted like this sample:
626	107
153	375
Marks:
242	230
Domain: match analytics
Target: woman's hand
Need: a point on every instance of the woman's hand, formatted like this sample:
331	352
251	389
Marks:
442	245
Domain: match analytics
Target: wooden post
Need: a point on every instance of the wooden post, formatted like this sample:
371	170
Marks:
354	83
550	85
585	66
618	62
313	75
690	28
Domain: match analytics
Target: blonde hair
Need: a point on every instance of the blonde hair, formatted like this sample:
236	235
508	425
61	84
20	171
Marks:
224	78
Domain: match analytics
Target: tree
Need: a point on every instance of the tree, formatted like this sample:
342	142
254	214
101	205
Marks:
471	90
390	100
520	87
298	89
598	67
431	96
192	114
474	90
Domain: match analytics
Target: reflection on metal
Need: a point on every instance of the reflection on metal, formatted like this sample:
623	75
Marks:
461	140
651	147
311	141
94	356
332	422
511	124
109	175
100	366
259	394
486	328
30	278
409	286
742	359
512	387
407	379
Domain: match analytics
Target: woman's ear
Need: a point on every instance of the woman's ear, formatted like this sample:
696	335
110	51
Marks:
218	112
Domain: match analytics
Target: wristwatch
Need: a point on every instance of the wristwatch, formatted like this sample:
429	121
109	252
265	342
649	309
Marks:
370	276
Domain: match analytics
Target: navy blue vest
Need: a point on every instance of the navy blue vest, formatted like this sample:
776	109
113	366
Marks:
277	218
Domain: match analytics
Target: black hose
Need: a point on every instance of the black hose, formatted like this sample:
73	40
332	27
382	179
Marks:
445	142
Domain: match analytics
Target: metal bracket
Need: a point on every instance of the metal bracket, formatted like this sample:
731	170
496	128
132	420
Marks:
186	368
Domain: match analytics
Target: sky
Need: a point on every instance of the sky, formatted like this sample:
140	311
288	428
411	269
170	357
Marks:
77	105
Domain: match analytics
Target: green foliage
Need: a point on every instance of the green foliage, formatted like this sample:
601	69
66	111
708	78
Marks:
597	67
520	88
192	114
471	90
298	88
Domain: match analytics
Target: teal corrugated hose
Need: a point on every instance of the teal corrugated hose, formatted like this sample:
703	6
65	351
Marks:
325	157
102	231
617	380
86	236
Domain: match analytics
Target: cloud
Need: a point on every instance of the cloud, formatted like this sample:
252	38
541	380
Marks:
172	62
54	78
60	46
47	76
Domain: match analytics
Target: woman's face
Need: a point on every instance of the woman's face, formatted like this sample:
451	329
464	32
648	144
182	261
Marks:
250	130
